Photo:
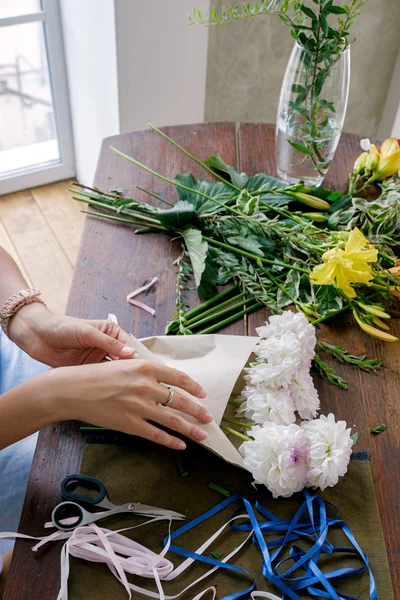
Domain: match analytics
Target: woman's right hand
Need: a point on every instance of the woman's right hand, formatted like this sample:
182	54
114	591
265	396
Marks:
125	395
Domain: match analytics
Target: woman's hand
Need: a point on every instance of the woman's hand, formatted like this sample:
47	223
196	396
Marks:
65	341
126	396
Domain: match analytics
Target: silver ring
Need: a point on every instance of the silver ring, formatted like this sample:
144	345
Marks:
170	397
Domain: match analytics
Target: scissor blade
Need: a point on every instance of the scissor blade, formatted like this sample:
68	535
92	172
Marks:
154	511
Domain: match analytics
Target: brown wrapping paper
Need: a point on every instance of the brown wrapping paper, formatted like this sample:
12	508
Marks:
216	362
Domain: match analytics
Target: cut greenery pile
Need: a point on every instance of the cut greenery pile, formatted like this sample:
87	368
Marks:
257	236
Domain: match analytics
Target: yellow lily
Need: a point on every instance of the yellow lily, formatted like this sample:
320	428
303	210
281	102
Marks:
348	265
384	163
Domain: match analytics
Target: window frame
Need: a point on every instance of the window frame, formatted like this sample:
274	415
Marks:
64	168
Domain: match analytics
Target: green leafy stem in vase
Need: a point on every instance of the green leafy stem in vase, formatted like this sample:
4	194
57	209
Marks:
323	33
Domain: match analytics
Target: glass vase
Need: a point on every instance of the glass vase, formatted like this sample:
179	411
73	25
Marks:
311	112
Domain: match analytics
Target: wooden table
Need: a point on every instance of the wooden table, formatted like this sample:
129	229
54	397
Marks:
113	261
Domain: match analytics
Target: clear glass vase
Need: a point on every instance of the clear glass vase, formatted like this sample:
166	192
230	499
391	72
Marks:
311	112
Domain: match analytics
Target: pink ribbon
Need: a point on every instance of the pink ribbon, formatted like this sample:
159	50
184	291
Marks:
139	291
122	556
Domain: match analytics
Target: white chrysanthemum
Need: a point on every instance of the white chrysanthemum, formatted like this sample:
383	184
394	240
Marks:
290	322
330	450
264	404
283	355
278	457
305	396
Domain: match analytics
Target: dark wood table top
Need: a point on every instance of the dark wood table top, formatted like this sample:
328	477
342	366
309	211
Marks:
113	261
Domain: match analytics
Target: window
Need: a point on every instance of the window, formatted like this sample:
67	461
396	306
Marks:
35	129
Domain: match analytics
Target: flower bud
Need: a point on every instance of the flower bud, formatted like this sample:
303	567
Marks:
315	216
310	201
372	160
377	333
359	165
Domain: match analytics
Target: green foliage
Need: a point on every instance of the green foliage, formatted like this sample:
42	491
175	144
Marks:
177	217
219	166
378	220
341	355
217	190
183	274
329	373
354	437
378	429
323	32
197	249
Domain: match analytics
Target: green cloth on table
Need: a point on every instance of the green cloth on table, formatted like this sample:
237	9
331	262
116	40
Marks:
142	471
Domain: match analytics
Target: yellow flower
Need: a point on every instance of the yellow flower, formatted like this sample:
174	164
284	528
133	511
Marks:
348	265
379	164
386	161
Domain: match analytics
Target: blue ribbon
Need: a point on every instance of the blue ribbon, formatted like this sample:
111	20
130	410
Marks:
310	523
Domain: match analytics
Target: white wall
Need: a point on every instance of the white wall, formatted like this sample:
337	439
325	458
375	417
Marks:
162	63
90	49
390	123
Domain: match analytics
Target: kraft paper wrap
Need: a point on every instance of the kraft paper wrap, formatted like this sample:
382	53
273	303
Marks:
216	362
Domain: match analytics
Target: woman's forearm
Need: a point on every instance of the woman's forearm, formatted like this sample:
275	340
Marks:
11	278
27	408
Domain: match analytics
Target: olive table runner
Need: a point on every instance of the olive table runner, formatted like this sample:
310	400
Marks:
142	471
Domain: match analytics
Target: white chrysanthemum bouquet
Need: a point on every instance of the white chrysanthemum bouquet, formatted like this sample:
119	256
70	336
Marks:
280	454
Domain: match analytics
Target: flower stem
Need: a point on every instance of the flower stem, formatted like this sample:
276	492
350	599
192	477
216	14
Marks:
284	213
212	310
140	216
239	423
153	195
253	256
231	319
200	309
122	220
235	403
196	160
332	314
175	183
215	315
236	433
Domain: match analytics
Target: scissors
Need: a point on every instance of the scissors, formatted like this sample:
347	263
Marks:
79	509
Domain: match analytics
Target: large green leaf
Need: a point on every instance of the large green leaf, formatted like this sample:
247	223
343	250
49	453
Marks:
189	181
248	242
179	216
264	183
327	299
291	286
197	249
217	164
208	279
219	190
275	199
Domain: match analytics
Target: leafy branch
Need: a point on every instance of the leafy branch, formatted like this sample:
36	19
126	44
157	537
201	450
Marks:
323	34
329	373
183	274
341	355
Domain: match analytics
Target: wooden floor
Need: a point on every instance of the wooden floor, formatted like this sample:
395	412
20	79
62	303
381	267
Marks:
41	229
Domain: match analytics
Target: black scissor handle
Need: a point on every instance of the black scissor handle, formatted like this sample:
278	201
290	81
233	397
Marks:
67	515
70	483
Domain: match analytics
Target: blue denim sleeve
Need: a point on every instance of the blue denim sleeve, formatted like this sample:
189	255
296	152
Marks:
16	460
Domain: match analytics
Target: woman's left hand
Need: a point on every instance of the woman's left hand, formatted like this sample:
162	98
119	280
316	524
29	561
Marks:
66	341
